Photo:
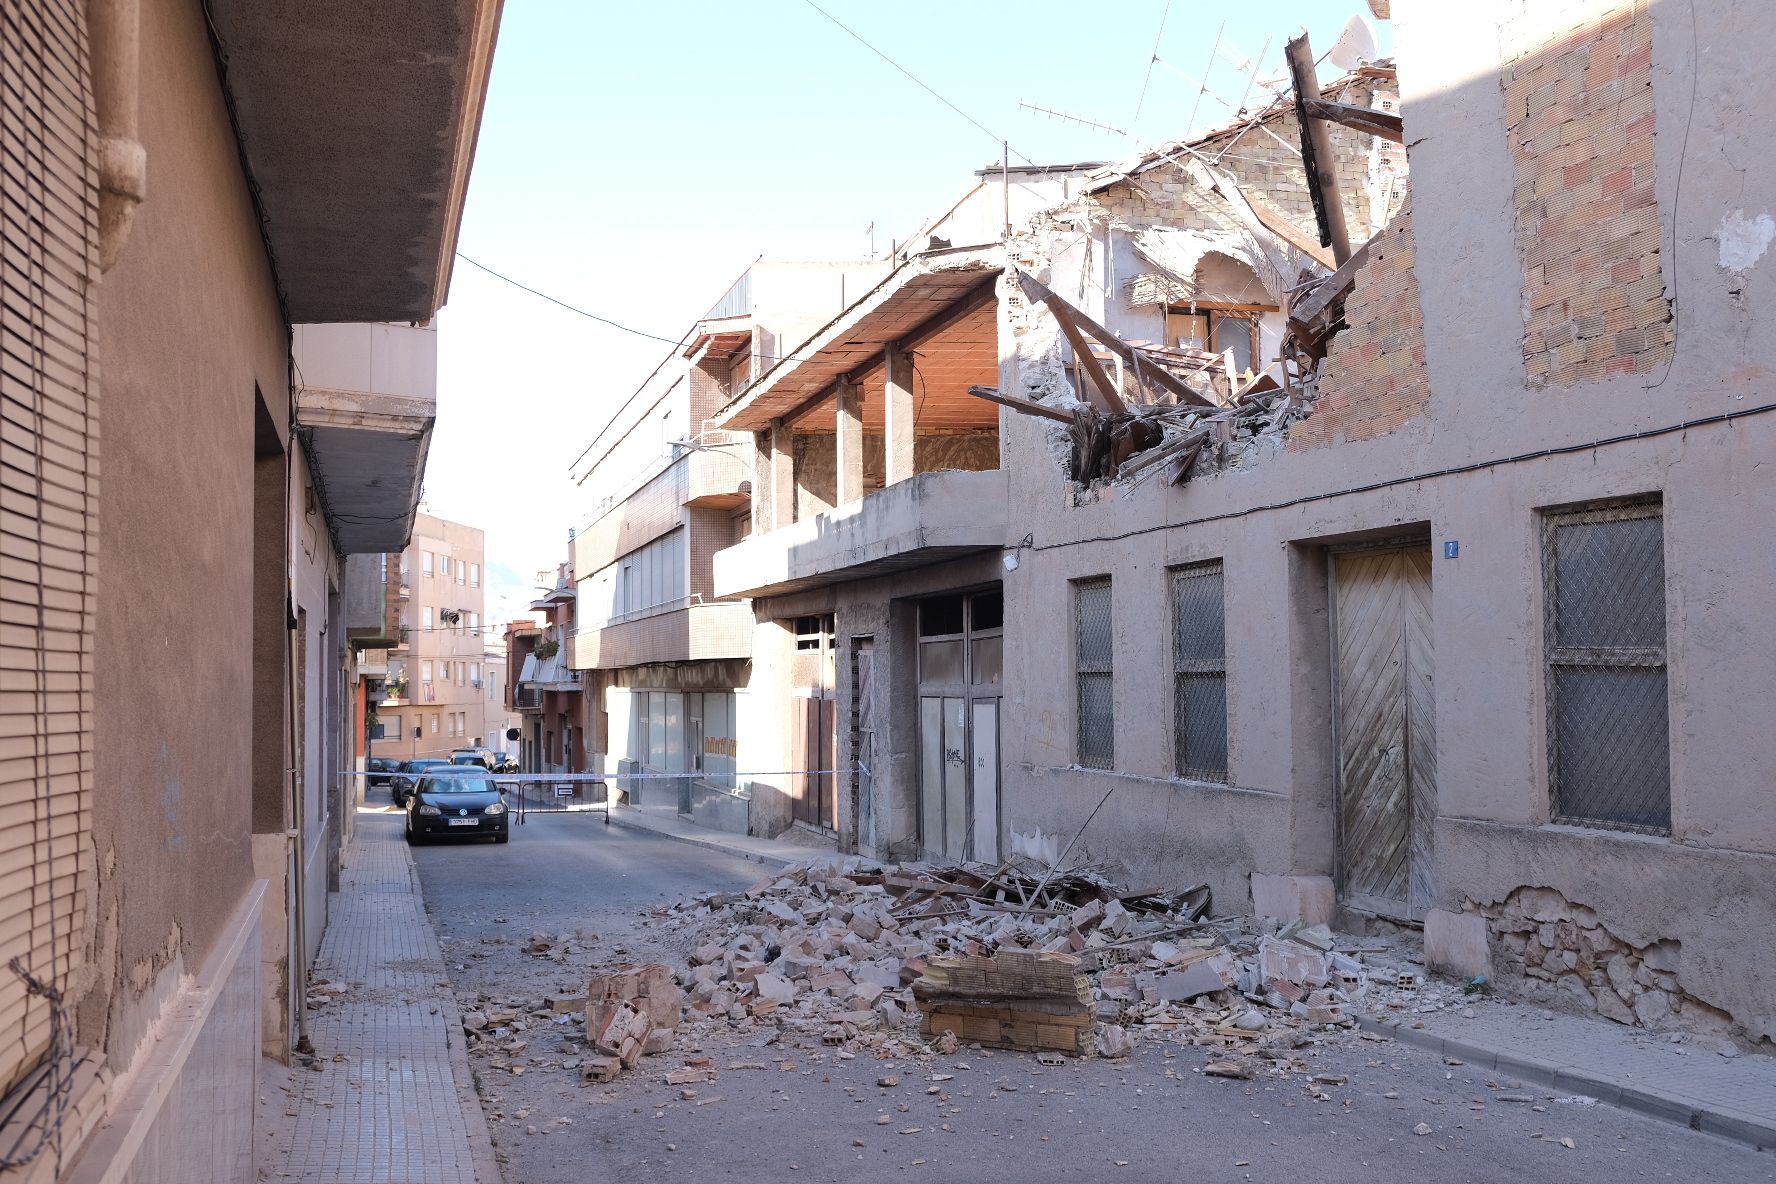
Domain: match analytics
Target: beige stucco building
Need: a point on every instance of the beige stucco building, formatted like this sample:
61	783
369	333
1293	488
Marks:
177	824
1464	641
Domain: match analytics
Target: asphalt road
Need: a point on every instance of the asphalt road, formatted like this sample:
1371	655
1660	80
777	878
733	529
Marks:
997	1116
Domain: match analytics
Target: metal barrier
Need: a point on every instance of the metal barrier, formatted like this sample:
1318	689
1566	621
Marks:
555	793
585	793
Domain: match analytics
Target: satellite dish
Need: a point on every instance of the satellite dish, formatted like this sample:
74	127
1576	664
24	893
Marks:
1354	46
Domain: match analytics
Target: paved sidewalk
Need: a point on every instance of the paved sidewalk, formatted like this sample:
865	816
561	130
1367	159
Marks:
1687	1082
771	852
400	1107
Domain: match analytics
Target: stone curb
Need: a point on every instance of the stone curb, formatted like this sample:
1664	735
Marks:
712	844
487	1169
1757	1132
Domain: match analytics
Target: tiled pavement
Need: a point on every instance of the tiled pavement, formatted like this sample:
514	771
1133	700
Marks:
1686	1082
400	1107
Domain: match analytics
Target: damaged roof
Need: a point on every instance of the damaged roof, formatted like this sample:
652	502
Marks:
1280	105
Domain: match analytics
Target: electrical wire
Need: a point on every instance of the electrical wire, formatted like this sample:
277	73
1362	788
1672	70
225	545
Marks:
1148	77
917	81
1683	150
564	304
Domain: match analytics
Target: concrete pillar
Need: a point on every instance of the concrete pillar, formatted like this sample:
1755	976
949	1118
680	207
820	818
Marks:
782	475
897	414
848	402
762	509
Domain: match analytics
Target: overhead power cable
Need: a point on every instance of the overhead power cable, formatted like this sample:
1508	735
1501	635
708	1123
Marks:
916	80
564	304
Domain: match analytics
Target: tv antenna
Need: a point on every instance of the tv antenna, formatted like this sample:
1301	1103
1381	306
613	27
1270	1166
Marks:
1097	124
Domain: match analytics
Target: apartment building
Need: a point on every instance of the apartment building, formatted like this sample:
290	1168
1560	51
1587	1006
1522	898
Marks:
1452	634
438	689
168	243
663	659
547	692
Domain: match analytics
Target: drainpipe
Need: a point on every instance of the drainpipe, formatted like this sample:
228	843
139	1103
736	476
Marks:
114	31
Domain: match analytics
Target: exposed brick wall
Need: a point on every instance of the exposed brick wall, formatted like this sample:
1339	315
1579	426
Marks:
1373	379
1579	119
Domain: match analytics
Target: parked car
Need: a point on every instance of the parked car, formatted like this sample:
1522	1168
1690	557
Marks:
458	805
381	770
504	762
480	757
402	783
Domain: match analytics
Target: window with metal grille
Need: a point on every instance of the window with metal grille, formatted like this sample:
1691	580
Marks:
1093	636
1609	761
1199	678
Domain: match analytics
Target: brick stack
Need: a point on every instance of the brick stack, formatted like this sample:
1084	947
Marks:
1014	999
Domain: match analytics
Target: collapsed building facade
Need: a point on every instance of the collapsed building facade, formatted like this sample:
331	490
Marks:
1393	572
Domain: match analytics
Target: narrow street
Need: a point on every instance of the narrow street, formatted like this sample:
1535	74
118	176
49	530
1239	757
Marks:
585	889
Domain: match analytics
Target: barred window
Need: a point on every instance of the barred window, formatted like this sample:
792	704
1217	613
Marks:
1093	637
1609	761
1199	678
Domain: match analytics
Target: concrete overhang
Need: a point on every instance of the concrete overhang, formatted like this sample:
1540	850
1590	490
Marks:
366	399
722	337
358	121
915	296
913	523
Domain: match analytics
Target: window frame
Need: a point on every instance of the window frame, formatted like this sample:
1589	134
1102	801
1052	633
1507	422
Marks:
1083	671
1555	656
1216	311
1197	667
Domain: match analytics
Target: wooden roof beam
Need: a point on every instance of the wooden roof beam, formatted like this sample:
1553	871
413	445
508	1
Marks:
1072	321
1316	151
1383	124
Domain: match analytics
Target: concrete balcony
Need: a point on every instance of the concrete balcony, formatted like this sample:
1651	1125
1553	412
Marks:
688	633
919	521
719	474
372	602
365	408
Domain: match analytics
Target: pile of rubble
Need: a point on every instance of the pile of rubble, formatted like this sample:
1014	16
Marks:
850	951
905	962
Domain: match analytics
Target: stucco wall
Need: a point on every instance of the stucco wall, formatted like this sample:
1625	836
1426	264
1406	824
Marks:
189	326
1489	433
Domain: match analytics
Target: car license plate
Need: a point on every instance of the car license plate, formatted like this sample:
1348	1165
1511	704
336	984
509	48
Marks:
465	822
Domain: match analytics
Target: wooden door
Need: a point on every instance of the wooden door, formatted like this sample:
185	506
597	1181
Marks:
1385	723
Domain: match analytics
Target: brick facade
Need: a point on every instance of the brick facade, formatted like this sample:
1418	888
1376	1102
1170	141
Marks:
1373	378
1579	119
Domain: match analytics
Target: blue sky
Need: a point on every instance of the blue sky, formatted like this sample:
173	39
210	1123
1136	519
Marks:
634	159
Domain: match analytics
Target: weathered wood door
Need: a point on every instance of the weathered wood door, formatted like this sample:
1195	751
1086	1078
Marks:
1384	712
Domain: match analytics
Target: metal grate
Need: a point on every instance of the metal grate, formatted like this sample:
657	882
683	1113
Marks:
1609	760
1093	642
1199	663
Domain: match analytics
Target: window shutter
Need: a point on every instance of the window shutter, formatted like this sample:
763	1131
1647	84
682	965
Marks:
48	509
